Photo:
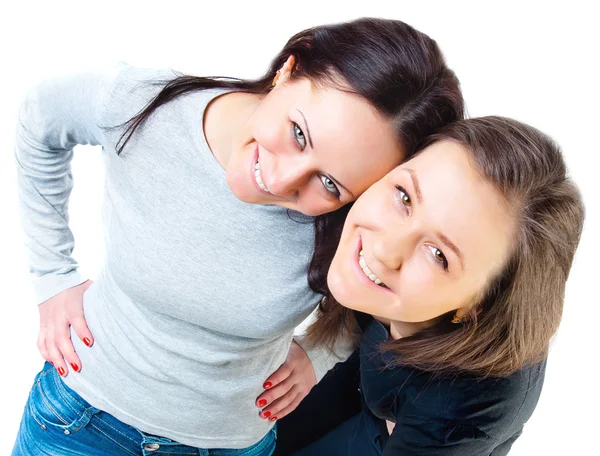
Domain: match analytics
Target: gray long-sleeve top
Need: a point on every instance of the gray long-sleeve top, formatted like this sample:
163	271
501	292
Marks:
196	303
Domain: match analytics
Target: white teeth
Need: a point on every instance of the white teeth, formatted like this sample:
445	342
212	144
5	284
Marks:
367	271
258	178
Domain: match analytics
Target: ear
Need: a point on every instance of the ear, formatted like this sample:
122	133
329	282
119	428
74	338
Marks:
284	73
461	313
469	312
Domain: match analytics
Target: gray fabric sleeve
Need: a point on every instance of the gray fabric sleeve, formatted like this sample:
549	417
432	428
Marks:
322	357
55	116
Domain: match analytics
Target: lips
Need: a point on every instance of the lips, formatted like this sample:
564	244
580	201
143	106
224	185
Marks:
364	272
365	269
258	178
256	173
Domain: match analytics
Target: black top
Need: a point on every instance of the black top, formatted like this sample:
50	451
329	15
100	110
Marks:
444	415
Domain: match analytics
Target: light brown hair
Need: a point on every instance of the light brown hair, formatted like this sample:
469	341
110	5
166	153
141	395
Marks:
511	325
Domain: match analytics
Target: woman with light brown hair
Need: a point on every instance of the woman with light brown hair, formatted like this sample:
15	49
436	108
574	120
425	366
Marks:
461	256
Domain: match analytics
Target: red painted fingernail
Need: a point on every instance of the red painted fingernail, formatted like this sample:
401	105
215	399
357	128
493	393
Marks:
267	414
75	367
262	403
51	363
273	418
61	371
87	341
267	385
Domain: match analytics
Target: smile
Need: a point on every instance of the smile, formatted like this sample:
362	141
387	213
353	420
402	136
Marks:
258	178
365	269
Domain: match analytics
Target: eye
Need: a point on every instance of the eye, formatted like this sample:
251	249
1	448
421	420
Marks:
330	186
299	135
403	197
439	257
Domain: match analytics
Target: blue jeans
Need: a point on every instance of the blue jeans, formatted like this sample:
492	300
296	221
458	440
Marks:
58	422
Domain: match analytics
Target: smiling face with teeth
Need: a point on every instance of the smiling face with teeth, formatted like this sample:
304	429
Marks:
423	241
306	148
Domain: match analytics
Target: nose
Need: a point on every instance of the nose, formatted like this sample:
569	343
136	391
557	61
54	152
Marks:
393	245
288	175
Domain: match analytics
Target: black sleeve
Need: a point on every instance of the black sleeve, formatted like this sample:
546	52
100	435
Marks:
417	435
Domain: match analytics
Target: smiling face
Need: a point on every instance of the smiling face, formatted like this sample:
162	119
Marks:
310	149
424	240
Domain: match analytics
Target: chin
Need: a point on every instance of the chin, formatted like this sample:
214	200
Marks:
339	290
238	189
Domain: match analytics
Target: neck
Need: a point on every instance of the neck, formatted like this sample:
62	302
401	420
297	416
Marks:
400	329
224	120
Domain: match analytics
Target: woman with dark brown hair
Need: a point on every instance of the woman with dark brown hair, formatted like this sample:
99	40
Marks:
455	264
197	301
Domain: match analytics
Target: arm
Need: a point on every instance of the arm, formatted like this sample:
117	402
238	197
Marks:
323	358
56	116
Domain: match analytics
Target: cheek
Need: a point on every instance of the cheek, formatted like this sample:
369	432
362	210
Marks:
312	202
269	127
341	282
427	294
423	292
416	281
374	205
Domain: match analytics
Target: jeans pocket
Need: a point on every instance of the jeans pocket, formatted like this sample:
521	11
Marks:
54	406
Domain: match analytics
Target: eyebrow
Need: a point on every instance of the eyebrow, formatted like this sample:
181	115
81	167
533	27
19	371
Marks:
307	130
337	182
443	238
452	247
415	182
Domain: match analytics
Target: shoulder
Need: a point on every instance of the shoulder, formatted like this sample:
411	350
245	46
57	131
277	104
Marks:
510	391
493	405
127	89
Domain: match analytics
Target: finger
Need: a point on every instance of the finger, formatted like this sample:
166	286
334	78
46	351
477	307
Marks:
56	358
65	345
278	414
85	285
278	376
41	345
282	402
276	392
81	329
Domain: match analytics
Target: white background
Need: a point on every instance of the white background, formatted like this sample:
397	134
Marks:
534	62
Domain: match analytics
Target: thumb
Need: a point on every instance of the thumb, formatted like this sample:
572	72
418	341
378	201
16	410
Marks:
85	285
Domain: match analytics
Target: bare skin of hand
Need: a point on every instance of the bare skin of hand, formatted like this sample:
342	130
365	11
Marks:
288	385
57	315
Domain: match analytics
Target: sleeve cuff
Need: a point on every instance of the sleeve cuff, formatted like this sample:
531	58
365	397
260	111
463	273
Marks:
322	358
50	285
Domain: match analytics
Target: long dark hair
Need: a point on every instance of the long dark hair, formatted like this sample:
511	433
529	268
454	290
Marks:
511	324
397	69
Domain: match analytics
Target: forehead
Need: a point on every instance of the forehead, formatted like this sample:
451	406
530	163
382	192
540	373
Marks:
460	203
352	141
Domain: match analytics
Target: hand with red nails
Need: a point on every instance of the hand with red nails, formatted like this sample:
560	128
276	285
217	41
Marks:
287	386
57	315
